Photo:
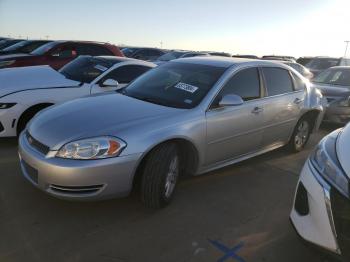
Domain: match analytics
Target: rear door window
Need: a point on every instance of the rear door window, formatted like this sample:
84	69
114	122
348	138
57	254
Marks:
277	80
93	50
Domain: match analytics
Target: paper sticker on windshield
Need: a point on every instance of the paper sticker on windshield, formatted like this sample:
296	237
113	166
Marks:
101	68
186	87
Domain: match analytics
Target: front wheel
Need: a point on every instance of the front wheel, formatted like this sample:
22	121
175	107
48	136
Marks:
300	135
160	176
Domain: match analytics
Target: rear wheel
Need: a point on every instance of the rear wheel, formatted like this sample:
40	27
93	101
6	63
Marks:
300	135
160	175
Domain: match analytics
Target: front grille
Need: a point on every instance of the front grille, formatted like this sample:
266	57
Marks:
76	190
1	127
31	172
341	215
37	145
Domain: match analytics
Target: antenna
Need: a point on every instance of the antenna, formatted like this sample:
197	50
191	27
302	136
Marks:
346	47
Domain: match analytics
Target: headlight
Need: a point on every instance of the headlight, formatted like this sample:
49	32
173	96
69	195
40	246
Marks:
324	159
6	105
344	103
7	63
92	148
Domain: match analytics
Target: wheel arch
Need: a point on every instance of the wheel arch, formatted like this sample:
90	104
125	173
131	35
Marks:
30	112
313	117
188	152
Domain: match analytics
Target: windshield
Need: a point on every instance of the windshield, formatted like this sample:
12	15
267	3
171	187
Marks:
333	76
15	46
179	85
85	68
45	48
25	46
322	63
129	51
8	43
170	56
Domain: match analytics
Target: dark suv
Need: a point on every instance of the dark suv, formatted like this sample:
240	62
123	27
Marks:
24	47
147	54
58	53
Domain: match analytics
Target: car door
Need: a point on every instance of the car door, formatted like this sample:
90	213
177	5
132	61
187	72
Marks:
235	131
123	74
282	105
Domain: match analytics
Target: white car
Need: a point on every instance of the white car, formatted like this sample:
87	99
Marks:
321	211
25	91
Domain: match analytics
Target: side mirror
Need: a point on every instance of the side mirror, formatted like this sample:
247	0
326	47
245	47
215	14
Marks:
231	100
110	83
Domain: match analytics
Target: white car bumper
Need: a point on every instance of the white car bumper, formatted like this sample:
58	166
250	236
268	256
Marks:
312	213
9	119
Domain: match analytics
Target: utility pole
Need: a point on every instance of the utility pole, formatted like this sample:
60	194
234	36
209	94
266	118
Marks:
346	47
47	37
161	44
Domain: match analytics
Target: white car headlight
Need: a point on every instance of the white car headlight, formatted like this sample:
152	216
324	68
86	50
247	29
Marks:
324	159
6	63
92	148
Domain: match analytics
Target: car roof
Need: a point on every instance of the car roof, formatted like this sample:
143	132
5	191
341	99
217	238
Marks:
116	59
225	62
81	42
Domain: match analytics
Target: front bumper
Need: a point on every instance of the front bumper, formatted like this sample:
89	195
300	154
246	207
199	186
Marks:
78	179
8	120
312	214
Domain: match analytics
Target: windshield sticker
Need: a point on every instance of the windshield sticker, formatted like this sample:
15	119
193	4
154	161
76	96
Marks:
101	68
186	87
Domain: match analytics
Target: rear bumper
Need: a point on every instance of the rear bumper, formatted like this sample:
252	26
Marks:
337	115
78	179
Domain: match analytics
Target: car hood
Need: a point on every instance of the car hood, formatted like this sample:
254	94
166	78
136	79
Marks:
107	114
333	90
13	56
343	149
13	80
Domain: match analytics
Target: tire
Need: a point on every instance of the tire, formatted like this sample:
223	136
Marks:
160	175
300	136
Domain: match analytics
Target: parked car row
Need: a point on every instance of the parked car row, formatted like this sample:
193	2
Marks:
53	53
93	124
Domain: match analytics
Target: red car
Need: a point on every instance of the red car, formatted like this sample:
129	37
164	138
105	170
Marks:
58	53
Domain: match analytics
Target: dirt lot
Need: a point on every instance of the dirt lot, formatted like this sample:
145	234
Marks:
247	204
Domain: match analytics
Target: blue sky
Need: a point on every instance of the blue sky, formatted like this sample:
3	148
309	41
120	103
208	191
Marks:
295	27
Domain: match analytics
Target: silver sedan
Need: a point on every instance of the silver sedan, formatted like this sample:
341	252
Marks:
186	117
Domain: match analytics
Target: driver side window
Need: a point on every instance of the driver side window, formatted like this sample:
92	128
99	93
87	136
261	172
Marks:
245	84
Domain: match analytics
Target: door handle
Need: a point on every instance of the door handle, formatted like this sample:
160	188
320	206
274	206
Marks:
257	110
298	101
